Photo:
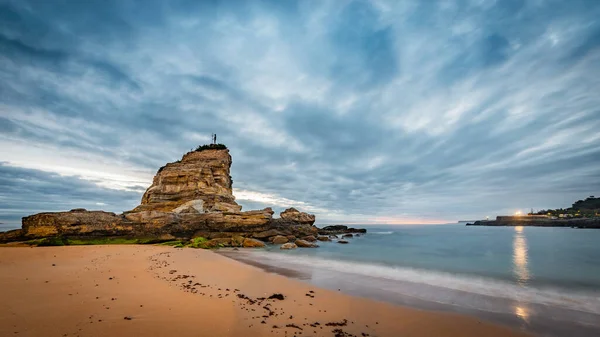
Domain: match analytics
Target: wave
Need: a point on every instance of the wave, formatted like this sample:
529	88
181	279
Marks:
570	299
390	232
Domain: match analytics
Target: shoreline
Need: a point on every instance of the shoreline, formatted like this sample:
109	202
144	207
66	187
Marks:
153	290
535	318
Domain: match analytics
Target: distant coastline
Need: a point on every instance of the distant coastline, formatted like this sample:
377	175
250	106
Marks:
527	220
582	214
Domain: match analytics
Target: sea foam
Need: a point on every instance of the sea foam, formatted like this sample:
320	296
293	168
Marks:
583	300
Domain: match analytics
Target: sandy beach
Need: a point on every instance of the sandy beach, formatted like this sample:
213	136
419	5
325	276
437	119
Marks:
163	291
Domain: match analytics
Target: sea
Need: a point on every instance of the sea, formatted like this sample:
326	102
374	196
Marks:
542	280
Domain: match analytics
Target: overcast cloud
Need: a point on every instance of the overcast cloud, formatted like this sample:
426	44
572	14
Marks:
358	111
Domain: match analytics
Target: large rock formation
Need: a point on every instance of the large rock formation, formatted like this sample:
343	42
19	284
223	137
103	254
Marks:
188	198
198	183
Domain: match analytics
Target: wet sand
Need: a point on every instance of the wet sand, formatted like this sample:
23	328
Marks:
163	291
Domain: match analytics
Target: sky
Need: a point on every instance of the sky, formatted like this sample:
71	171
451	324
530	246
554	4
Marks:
357	111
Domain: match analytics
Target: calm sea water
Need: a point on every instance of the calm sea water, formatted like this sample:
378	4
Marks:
546	280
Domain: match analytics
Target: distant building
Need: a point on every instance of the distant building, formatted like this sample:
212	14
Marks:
536	216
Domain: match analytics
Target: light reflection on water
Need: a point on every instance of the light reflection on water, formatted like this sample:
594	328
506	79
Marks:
520	267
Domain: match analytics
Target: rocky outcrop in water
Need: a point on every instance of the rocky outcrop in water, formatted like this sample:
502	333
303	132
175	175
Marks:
339	229
189	198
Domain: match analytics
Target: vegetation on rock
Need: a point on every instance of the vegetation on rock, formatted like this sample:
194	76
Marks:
590	207
210	147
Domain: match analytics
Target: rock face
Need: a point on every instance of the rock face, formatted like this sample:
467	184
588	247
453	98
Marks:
292	214
198	183
188	198
252	243
77	222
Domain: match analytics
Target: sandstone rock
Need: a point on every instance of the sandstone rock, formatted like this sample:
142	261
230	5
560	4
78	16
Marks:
293	214
80	223
323	238
309	238
237	241
288	245
252	243
166	237
289	227
188	198
224	242
12	235
198	183
279	239
265	234
291	238
305	244
342	241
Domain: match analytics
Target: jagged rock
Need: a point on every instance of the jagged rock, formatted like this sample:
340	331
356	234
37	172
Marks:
323	238
252	243
288	245
293	214
279	239
309	238
342	241
305	244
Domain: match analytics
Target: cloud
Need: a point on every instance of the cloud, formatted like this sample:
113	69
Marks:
26	191
359	111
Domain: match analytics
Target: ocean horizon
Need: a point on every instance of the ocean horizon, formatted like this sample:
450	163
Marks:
542	280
